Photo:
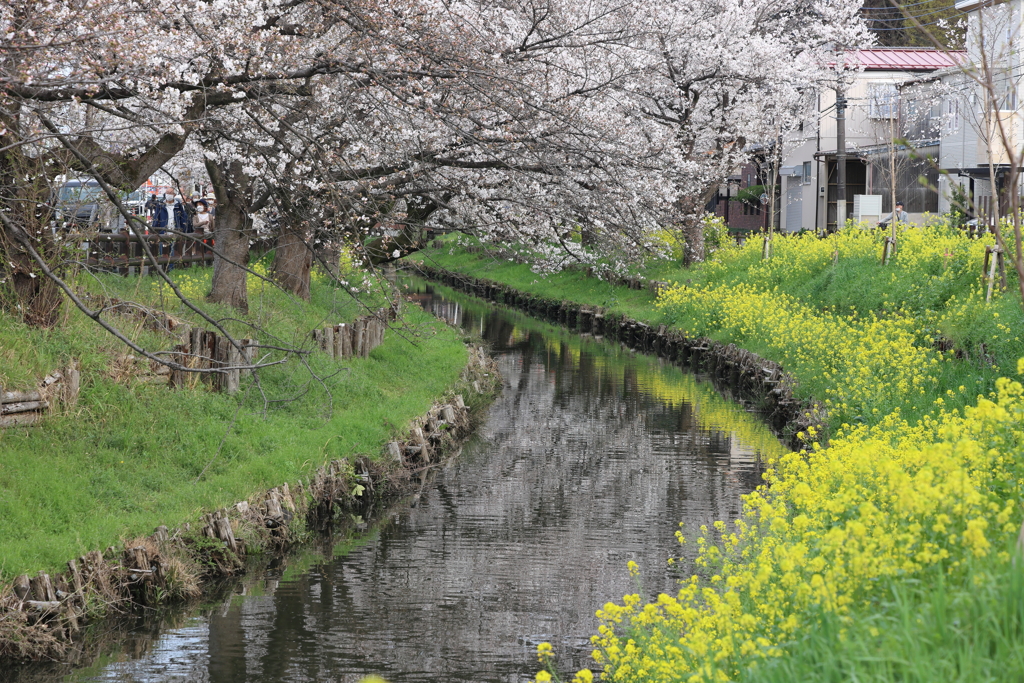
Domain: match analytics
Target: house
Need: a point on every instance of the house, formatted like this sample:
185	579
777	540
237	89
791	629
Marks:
878	110
738	200
972	151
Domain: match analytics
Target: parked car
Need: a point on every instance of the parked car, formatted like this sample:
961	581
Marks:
77	203
82	204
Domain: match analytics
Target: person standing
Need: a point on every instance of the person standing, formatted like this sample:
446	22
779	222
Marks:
162	213
183	224
151	206
203	222
159	215
182	216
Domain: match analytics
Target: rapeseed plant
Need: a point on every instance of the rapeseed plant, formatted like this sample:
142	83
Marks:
917	479
894	500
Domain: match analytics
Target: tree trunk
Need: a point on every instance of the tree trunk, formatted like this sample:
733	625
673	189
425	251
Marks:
231	243
293	260
230	237
36	297
693	233
692	211
330	258
30	295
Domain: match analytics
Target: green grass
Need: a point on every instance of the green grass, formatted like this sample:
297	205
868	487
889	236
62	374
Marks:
927	289
128	456
858	283
571	285
920	631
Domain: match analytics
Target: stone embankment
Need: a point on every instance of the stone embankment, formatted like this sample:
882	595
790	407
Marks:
41	615
762	381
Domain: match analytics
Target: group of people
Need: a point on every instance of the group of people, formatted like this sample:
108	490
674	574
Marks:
171	212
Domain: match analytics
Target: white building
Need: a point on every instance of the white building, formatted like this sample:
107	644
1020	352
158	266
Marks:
878	110
973	150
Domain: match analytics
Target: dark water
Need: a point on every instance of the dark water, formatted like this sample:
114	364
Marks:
589	458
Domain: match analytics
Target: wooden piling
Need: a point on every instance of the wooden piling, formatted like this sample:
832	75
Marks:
345	330
357	337
329	340
22	587
338	345
42	587
232	378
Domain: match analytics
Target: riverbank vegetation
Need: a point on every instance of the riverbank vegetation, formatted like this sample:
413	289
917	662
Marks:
893	528
133	454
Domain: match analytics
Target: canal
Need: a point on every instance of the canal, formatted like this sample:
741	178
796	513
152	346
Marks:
591	457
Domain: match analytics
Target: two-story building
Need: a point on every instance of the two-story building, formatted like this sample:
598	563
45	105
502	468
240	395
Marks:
982	109
878	111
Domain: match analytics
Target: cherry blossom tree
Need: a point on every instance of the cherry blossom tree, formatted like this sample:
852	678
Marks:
114	89
577	128
720	77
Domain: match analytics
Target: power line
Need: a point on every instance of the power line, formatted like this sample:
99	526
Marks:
899	7
912	26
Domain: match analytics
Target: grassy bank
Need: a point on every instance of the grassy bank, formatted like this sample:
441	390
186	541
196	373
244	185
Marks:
896	531
131	455
821	308
569	284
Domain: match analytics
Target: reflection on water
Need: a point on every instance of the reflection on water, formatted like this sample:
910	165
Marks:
590	458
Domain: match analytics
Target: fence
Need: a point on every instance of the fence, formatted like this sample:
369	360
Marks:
202	349
22	408
123	253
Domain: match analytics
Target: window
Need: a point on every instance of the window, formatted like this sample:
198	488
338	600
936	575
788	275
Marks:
807	173
1009	101
883	99
952	115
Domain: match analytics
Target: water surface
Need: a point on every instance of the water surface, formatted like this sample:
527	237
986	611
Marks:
590	458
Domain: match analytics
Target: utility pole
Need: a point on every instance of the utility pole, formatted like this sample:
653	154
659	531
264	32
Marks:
840	156
728	193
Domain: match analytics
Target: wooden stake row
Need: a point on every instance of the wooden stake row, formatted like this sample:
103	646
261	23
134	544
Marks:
356	339
21	408
202	349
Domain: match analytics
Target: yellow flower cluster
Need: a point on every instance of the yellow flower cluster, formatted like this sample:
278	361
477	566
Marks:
256	285
194	283
867	363
890	500
934	253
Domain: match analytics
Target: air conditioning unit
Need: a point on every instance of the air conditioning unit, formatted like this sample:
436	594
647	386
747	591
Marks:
867	208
